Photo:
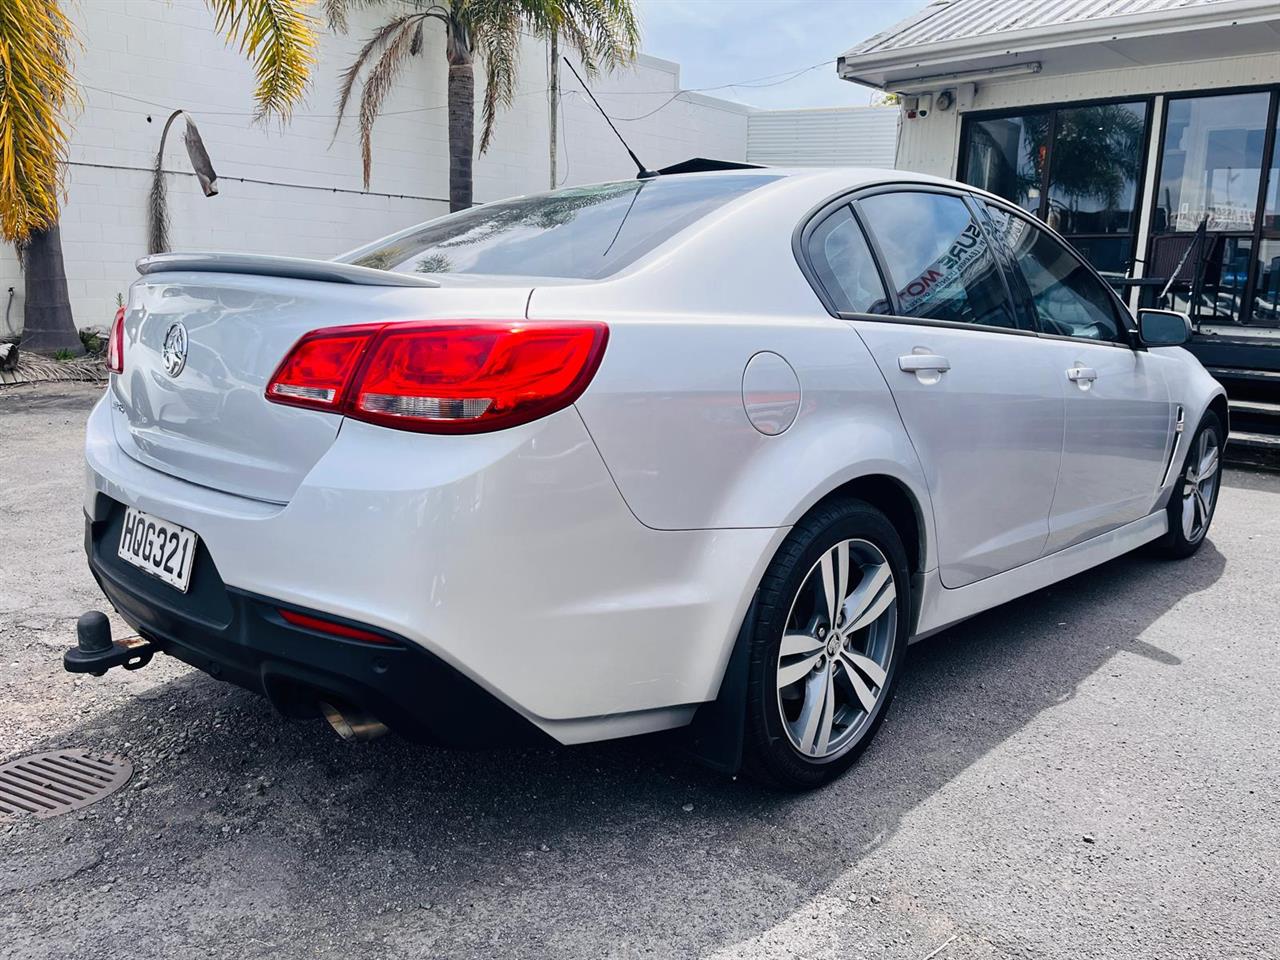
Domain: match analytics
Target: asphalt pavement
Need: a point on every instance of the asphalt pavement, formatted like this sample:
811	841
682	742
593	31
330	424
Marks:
1087	772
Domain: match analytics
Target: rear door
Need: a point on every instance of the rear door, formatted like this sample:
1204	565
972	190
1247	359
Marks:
1119	419
977	391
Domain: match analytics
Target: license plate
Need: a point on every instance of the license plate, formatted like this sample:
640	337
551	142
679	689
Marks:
161	548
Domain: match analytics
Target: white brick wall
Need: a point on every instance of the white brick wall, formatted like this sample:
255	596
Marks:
164	53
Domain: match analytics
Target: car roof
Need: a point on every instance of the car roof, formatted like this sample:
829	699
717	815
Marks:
830	180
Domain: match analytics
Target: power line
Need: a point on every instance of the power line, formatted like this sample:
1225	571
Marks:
754	85
768	80
267	183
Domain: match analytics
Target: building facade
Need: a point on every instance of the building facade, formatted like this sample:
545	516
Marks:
1128	125
296	188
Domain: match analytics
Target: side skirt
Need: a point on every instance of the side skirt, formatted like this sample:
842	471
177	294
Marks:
940	607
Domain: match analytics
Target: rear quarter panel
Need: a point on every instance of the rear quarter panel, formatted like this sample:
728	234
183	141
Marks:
666	408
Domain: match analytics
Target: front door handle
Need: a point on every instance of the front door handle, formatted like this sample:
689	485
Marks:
1082	374
915	362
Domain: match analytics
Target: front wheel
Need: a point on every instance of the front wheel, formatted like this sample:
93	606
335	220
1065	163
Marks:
1195	492
829	637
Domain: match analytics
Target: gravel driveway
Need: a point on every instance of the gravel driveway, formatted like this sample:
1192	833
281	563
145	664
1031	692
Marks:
1090	771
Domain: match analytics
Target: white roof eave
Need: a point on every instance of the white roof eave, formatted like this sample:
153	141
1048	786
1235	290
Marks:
902	64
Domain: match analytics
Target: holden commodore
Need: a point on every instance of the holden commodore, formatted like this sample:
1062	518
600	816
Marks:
701	450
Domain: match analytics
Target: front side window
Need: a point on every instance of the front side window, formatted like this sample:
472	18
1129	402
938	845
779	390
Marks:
582	232
938	259
1069	300
845	267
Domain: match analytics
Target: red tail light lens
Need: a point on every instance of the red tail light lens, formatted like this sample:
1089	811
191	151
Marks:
115	343
442	377
319	367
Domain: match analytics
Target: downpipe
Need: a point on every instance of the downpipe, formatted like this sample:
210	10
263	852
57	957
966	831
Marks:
351	724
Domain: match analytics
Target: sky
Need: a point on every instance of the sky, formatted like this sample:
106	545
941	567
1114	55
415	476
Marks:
718	42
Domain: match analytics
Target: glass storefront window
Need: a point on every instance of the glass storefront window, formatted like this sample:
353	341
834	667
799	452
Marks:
1108	255
1266	291
1212	162
1271	206
1094	169
1076	168
1006	156
1225	281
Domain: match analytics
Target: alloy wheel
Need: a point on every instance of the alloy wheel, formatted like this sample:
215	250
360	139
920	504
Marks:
836	649
1200	486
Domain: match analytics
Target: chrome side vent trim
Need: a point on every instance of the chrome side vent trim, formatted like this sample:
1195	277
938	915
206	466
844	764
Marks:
1180	424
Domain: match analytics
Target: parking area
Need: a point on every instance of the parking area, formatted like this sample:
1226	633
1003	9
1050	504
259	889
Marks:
1087	772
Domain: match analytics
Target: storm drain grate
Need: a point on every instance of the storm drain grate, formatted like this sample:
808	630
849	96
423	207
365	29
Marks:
59	781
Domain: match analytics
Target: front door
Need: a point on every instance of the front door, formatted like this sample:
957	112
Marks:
1119	420
979	396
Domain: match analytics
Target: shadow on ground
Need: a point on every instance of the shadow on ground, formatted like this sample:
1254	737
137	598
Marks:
267	835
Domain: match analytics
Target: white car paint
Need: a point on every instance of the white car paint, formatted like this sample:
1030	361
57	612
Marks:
591	569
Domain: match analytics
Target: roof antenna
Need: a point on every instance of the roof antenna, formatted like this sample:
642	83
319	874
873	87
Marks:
644	172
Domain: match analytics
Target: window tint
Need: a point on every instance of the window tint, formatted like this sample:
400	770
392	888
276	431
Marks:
582	232
938	259
844	265
1069	300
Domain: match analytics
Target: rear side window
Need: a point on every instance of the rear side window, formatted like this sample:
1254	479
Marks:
583	232
1069	300
845	266
938	259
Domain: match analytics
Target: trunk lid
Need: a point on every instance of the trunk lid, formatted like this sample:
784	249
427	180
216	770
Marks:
206	419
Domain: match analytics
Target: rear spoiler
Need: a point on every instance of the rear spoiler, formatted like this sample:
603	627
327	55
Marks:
295	268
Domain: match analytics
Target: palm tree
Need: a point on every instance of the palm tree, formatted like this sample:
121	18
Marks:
601	32
36	91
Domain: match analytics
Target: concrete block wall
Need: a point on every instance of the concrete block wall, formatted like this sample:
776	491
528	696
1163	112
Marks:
142	58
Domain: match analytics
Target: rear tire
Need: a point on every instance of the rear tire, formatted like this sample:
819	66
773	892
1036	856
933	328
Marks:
839	592
1195	492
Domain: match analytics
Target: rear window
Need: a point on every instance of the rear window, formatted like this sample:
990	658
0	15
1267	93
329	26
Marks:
583	232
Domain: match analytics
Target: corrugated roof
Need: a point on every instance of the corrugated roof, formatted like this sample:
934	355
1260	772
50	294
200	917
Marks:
947	20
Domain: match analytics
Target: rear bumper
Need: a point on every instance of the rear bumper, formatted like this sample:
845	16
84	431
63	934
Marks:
241	638
509	559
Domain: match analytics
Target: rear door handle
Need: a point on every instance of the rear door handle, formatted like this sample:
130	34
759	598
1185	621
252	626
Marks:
915	362
1082	374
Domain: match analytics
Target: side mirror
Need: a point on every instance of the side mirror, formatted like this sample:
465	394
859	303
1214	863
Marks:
1163	328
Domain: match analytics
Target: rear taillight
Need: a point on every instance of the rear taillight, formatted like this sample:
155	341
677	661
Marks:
442	377
115	343
318	368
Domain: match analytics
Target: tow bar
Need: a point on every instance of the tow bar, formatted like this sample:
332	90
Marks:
96	653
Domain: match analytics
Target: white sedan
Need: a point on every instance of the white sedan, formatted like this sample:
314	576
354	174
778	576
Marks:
707	449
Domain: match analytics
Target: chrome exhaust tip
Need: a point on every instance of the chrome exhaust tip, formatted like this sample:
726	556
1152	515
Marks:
352	725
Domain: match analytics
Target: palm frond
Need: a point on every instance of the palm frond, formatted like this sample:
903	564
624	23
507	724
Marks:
347	79
336	12
35	91
279	38
499	43
157	197
378	84
604	33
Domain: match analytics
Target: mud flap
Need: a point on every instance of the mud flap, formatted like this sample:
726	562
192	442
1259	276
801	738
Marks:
715	737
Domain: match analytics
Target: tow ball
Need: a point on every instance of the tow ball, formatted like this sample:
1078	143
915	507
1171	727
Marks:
96	653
